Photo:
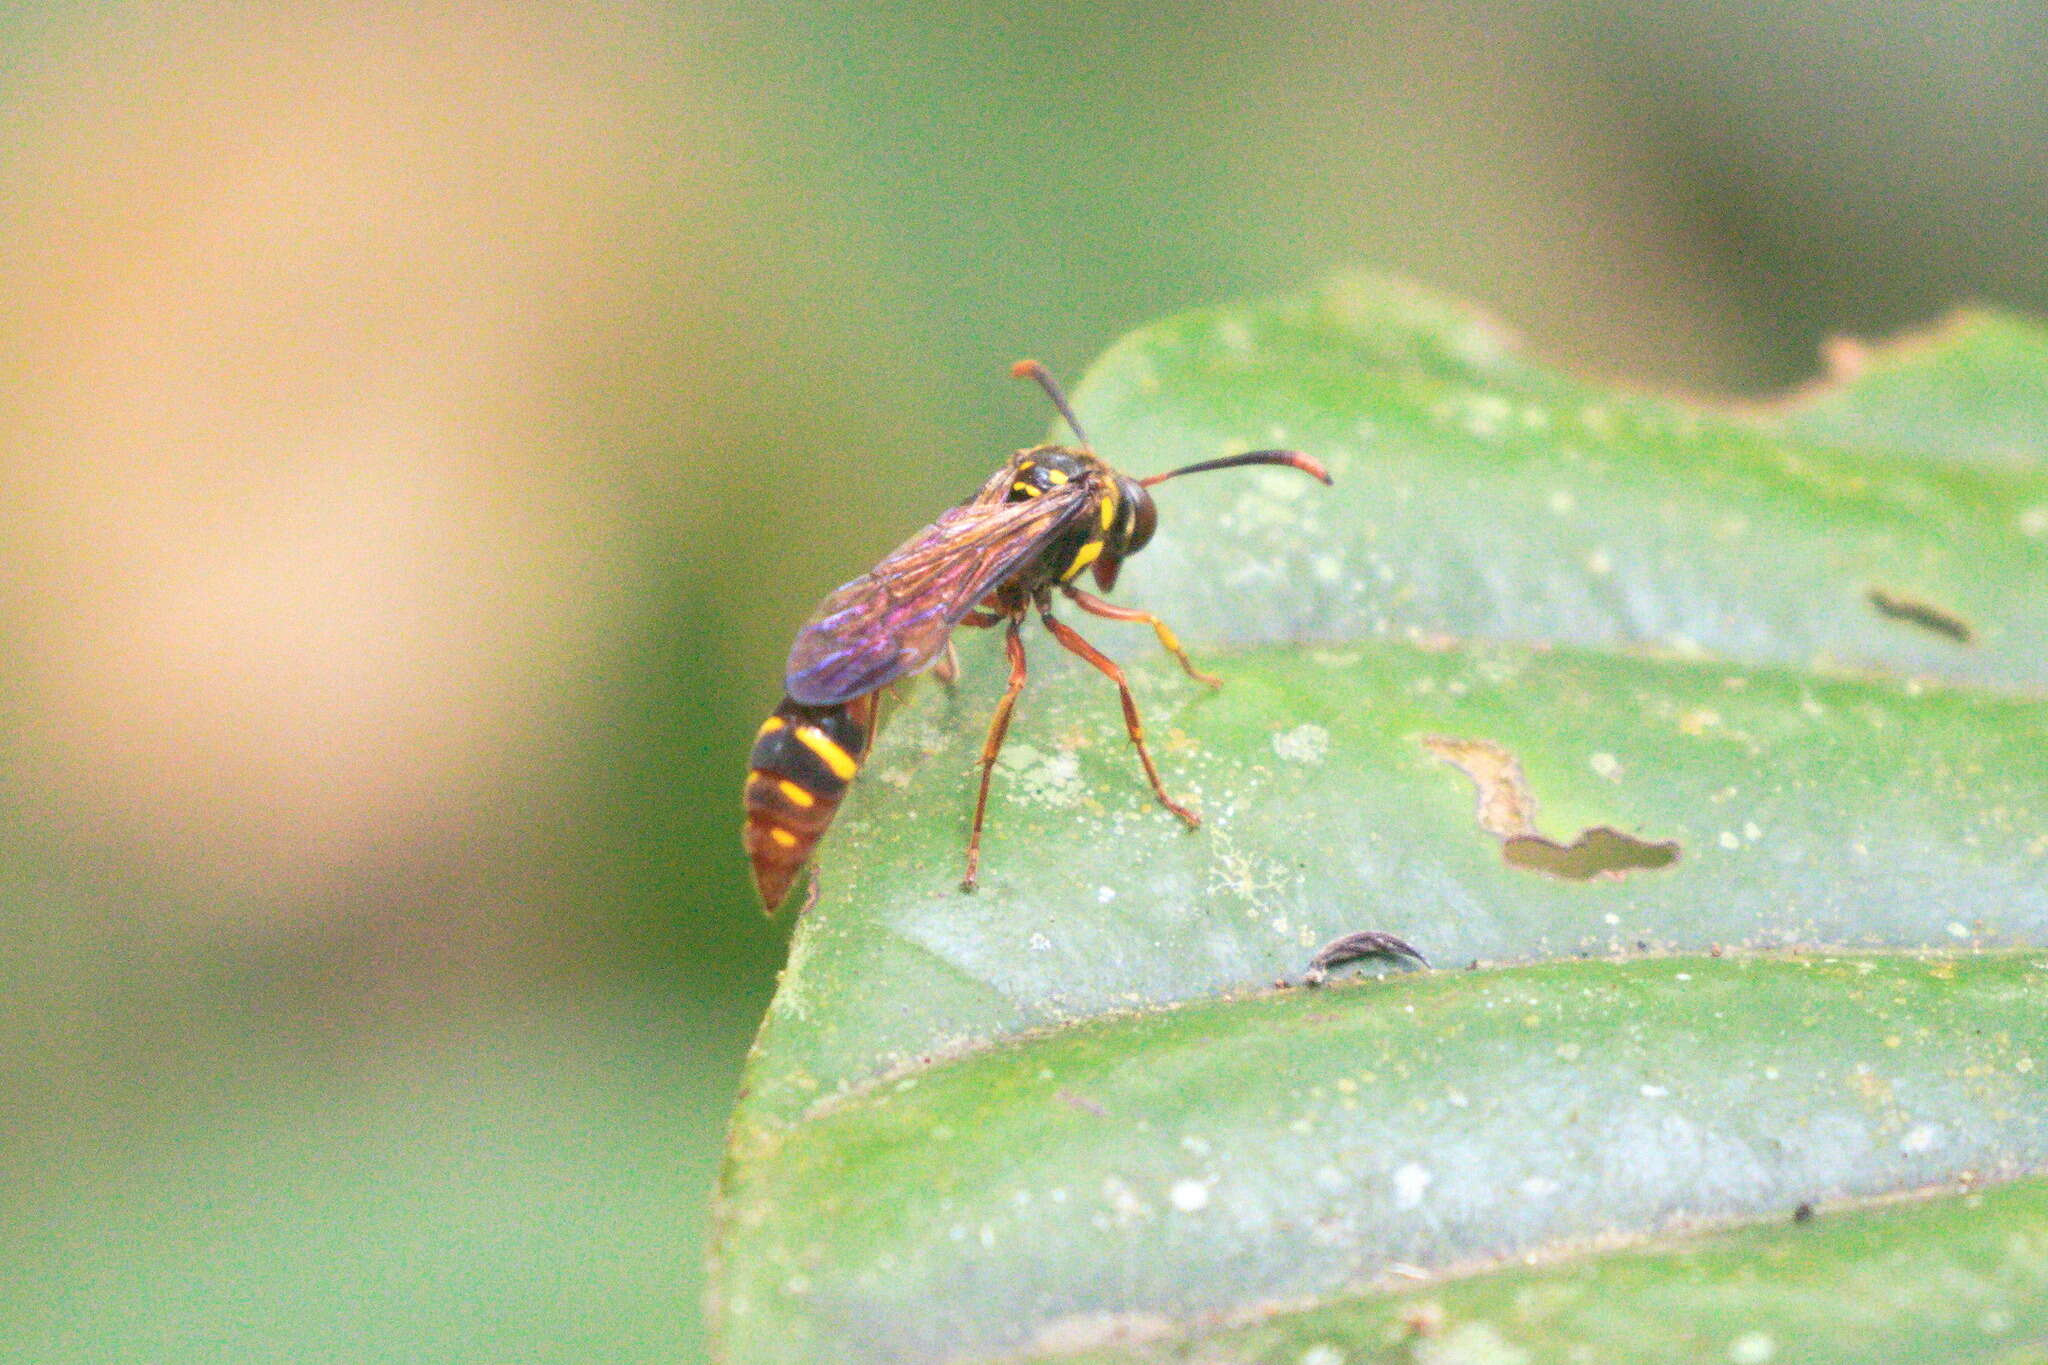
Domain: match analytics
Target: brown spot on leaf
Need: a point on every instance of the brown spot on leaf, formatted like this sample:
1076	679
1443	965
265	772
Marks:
1507	811
1596	852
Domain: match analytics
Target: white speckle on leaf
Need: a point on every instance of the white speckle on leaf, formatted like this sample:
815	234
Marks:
1921	1137
1605	765
1123	1201
1303	744
1410	1180
1957	929
1104	895
1050	779
1189	1196
1486	414
1598	561
1752	1348
2034	522
1729	839
1752	831
1470	1343
1655	1092
1561	501
1539	1186
1322	1353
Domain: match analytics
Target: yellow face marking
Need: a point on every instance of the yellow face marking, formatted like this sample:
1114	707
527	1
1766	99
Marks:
797	796
1028	464
769	727
842	763
1022	487
782	836
1058	476
1083	557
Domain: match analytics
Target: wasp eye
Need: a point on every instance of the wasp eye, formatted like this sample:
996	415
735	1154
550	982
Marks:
1140	518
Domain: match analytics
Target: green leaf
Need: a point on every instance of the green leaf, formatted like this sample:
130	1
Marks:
1959	1278
1478	495
1195	1162
1804	811
1968	392
1074	1100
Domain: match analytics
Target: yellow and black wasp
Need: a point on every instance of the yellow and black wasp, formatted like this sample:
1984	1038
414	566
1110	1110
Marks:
1049	514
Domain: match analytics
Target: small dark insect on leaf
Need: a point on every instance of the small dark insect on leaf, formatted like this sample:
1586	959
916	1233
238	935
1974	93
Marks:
1916	612
1804	1213
1352	947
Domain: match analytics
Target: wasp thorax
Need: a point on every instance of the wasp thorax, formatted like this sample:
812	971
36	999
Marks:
1042	470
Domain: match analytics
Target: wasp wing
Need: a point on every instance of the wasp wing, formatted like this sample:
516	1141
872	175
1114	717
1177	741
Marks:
894	618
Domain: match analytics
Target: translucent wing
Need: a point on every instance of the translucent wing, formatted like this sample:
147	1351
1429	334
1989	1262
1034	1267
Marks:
891	620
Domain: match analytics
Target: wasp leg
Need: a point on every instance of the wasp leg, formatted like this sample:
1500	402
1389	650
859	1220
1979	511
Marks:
947	669
998	726
1071	638
1089	602
870	718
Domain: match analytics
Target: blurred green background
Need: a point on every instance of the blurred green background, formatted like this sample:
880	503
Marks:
423	427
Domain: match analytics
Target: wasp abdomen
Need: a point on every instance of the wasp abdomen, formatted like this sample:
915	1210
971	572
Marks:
803	759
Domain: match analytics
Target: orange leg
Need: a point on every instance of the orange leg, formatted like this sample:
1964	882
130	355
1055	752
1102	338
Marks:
998	726
1089	602
1071	638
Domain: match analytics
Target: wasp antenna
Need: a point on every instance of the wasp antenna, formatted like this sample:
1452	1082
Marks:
1293	459
1031	369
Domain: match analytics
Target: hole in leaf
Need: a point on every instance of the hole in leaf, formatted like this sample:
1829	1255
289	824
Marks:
1925	615
1598	850
1507	811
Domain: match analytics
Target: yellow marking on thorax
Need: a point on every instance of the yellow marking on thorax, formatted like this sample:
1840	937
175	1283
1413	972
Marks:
782	836
1083	557
1107	509
843	764
769	727
1058	476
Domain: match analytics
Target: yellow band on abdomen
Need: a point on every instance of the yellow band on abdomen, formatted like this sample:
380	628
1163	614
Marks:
842	763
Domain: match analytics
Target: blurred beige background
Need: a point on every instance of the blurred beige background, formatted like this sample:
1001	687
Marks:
421	428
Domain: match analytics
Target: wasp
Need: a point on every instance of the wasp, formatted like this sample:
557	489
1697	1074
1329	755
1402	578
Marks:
1048	515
